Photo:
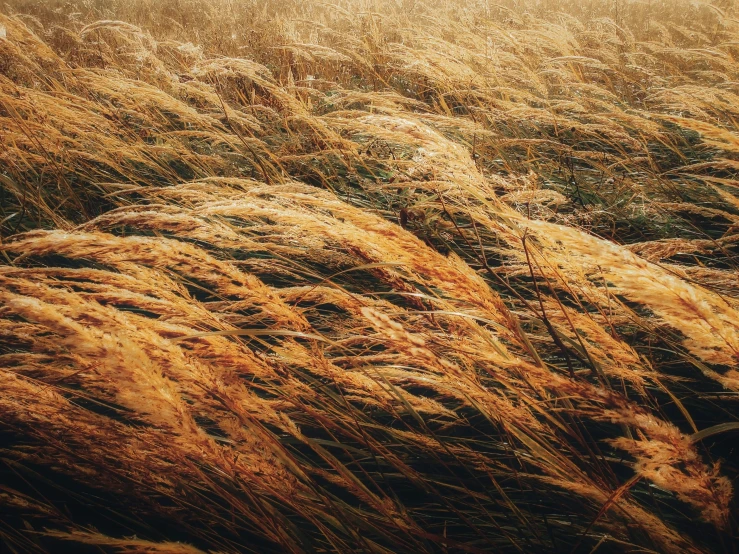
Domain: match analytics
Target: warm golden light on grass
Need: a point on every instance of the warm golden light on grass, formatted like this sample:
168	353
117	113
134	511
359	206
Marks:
369	276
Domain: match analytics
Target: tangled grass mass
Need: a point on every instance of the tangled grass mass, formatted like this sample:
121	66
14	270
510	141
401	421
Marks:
377	276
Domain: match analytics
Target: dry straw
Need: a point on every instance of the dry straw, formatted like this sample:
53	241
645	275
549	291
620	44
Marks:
368	276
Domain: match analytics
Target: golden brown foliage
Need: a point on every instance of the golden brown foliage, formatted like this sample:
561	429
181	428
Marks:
368	276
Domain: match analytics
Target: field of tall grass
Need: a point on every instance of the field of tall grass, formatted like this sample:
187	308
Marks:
379	276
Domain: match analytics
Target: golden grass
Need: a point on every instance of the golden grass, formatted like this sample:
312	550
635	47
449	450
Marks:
368	276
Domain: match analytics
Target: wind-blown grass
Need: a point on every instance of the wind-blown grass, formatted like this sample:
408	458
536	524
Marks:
368	276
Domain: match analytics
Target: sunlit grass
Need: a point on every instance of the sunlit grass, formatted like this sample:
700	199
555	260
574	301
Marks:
368	276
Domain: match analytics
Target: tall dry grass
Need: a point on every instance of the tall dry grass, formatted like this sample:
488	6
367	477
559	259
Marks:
368	276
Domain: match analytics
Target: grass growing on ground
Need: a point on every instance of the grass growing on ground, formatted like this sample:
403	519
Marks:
368	276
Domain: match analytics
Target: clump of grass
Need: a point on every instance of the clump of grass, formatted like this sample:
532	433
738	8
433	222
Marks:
368	277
